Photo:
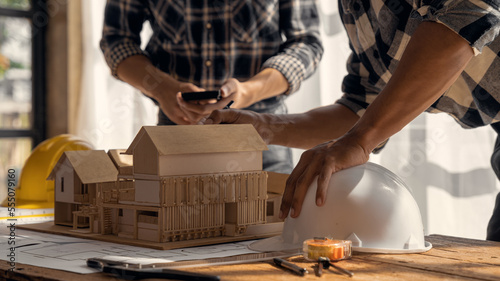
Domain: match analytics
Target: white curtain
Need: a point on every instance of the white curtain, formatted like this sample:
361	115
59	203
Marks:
446	166
111	112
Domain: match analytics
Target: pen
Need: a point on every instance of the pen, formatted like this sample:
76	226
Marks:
343	270
326	263
290	266
229	104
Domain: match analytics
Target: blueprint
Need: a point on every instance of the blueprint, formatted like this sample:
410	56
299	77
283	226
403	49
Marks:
70	254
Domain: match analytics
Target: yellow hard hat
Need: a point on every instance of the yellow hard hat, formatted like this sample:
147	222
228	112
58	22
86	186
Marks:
34	190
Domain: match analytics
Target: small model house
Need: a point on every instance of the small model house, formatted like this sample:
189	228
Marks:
77	176
173	183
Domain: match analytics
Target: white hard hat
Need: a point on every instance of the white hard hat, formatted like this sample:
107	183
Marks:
366	204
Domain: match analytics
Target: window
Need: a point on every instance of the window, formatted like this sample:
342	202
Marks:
22	81
62	184
270	209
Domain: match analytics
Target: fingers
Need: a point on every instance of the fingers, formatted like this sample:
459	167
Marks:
286	201
202	108
169	103
317	162
198	111
298	183
323	182
178	117
227	116
189	87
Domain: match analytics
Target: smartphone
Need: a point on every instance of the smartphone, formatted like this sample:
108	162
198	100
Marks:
206	95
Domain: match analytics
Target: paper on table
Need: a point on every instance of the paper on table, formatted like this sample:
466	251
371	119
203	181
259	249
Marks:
70	254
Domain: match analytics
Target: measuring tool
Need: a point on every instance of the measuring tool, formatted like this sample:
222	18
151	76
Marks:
335	250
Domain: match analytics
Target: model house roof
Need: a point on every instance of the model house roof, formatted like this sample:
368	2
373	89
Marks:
91	166
123	162
184	139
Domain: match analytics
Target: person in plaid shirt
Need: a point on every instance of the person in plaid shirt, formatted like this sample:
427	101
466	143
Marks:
407	57
257	52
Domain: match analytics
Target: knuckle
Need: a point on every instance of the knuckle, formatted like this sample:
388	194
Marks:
322	177
296	202
285	202
301	181
290	181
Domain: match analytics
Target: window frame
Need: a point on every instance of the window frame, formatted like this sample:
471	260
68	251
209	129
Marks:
39	19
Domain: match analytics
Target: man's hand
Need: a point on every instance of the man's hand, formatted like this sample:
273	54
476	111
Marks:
197	111
321	161
167	97
139	72
265	124
267	83
238	93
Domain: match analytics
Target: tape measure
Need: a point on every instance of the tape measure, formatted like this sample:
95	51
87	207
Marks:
318	247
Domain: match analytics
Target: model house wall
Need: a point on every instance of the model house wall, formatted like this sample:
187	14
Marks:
209	163
148	192
64	183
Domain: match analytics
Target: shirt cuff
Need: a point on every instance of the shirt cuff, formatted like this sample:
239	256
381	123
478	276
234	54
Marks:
118	53
474	20
293	70
357	106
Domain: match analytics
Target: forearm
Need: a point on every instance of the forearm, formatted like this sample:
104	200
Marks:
432	61
266	84
139	72
311	128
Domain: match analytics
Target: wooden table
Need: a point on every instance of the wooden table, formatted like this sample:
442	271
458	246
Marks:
450	258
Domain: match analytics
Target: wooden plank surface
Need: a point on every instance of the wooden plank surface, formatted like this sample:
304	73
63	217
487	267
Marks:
451	258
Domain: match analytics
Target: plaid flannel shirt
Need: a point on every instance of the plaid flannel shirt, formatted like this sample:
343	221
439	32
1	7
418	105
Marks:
379	32
206	44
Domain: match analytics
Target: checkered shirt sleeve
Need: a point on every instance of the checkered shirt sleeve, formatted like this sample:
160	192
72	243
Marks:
476	21
380	31
122	25
119	52
301	53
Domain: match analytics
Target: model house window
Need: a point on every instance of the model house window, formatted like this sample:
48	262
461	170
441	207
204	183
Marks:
270	208
84	189
22	82
62	184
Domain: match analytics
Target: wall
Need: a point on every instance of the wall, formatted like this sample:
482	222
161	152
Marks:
209	163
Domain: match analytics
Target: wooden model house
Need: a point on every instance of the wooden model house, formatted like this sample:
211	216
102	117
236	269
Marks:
178	183
77	176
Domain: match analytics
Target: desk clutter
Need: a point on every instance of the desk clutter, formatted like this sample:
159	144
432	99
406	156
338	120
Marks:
177	188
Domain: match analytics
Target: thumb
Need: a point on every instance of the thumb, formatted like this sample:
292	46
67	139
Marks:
214	118
228	88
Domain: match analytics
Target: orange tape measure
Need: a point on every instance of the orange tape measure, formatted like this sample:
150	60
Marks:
318	247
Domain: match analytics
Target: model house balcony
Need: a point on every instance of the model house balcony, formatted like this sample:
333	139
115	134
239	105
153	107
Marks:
82	198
